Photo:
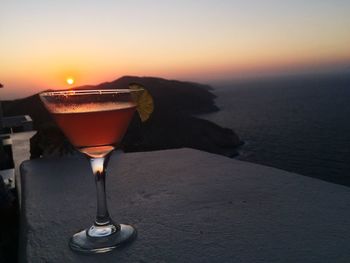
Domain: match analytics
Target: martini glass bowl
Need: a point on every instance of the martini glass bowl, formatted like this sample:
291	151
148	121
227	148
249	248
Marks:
95	121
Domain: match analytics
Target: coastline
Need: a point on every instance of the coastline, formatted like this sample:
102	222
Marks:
298	124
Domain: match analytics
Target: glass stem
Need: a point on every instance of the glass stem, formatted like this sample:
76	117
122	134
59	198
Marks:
98	166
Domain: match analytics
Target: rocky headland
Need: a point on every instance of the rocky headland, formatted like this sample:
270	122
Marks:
173	123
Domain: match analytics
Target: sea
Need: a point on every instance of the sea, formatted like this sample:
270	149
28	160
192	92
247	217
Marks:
296	123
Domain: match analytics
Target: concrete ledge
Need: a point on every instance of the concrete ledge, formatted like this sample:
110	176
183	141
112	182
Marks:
21	152
188	206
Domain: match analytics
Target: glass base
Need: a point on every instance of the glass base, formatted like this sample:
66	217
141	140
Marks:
109	239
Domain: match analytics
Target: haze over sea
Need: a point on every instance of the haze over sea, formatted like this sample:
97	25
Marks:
300	124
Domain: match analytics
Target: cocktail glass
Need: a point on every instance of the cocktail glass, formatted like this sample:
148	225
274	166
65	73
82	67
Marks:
95	122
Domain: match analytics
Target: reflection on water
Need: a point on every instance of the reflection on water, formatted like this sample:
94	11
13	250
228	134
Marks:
296	124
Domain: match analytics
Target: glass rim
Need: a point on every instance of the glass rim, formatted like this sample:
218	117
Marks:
86	92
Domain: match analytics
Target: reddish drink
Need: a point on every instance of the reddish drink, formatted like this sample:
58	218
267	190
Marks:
95	124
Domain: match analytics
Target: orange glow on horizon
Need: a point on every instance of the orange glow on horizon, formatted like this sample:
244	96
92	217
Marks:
52	75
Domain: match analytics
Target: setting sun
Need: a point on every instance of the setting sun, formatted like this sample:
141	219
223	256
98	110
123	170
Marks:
70	81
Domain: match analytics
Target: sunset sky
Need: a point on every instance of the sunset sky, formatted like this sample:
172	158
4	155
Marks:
45	42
